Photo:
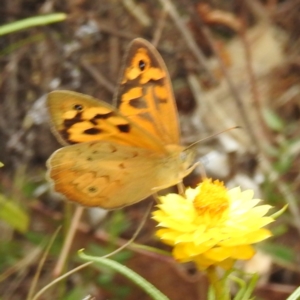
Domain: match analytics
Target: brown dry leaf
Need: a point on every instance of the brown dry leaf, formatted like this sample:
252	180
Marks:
216	16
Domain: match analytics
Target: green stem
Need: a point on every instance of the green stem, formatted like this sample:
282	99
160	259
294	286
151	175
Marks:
219	286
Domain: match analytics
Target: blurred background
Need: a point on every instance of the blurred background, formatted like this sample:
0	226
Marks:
232	63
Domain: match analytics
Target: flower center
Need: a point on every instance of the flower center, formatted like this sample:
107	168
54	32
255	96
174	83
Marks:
212	199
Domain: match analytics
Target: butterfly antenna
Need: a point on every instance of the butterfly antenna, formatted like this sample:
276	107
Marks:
211	136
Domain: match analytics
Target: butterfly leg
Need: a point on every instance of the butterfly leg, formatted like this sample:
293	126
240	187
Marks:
201	169
155	197
181	188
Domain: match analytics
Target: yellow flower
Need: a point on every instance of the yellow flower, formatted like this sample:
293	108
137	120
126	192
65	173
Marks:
211	225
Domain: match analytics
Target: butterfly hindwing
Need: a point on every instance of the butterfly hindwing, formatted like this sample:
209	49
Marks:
104	174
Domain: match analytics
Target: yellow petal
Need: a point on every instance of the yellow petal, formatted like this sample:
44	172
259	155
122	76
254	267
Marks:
218	253
242	252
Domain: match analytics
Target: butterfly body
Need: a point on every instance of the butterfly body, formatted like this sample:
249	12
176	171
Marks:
115	158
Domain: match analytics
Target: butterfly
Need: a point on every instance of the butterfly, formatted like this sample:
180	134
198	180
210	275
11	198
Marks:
117	157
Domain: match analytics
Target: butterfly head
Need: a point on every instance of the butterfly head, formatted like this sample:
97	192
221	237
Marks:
187	160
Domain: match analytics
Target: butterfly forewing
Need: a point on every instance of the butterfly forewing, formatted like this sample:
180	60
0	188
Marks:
145	93
78	118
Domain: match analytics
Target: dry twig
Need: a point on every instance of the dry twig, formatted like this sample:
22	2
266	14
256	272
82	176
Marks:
97	75
186	34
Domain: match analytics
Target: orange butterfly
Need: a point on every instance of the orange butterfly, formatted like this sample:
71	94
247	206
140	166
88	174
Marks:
119	157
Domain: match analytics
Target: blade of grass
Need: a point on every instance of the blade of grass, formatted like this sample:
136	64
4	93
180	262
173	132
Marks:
40	265
58	279
68	241
152	291
295	295
31	22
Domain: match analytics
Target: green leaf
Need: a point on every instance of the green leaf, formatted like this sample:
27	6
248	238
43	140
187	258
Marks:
13	215
280	212
273	120
284	163
117	223
247	288
281	254
76	293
